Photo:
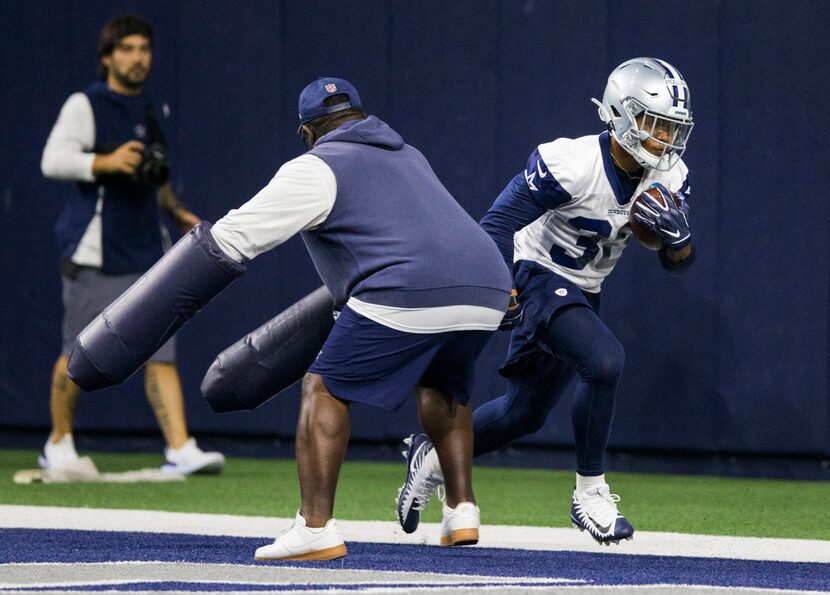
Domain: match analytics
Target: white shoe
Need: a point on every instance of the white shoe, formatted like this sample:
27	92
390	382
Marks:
189	458
59	454
299	543
459	525
595	511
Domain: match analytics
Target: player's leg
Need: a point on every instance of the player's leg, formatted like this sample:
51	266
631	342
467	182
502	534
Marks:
537	379
583	341
532	393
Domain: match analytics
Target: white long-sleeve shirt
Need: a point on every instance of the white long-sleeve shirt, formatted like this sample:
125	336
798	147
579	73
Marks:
68	153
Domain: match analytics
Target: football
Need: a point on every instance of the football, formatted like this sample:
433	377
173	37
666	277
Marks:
644	235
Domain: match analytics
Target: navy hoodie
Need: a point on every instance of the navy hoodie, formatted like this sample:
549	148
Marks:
395	235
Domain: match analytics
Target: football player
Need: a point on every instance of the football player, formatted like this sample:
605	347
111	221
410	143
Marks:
561	225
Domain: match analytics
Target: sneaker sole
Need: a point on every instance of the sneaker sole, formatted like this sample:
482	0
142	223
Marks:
608	542
460	537
331	553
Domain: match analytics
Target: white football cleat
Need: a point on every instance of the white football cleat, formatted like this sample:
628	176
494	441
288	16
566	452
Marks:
189	459
419	485
299	543
595	511
459	525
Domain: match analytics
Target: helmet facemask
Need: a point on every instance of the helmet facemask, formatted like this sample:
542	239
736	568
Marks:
656	141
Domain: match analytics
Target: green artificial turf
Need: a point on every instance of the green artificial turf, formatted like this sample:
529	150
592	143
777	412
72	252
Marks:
683	504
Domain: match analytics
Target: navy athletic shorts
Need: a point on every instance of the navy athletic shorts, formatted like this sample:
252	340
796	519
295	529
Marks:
366	362
542	294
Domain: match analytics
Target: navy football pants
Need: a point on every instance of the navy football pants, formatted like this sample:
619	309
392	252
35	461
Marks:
586	351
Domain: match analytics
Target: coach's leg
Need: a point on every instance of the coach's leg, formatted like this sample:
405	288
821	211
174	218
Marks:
323	430
449	425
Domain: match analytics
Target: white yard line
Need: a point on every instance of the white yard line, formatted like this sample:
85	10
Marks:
496	536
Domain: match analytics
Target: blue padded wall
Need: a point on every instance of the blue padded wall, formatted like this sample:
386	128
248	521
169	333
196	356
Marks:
731	357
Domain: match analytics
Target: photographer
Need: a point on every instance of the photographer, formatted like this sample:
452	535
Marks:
108	140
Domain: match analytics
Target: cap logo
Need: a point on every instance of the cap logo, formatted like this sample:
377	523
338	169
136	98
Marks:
331	87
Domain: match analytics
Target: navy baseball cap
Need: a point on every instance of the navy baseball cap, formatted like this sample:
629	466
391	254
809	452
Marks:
312	97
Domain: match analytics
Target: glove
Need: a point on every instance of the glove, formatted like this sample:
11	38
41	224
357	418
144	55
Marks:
514	312
669	222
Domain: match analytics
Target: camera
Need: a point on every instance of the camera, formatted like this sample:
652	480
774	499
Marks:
154	168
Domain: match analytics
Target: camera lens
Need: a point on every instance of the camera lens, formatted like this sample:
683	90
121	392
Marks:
154	169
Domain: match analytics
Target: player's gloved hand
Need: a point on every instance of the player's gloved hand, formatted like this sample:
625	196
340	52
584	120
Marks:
667	221
514	312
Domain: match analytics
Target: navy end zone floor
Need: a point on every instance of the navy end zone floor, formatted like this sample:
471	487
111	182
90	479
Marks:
479	565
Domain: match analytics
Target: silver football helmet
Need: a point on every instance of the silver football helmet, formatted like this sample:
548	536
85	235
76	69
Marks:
646	108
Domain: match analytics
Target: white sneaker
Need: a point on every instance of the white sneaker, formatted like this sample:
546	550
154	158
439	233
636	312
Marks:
595	511
459	525
189	458
299	543
59	454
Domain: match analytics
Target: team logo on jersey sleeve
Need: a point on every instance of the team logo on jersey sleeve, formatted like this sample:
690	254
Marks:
530	177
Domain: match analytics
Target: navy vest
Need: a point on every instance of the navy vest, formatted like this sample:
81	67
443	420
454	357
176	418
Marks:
395	235
130	233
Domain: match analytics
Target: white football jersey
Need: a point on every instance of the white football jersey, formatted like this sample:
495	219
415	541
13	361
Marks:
582	238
